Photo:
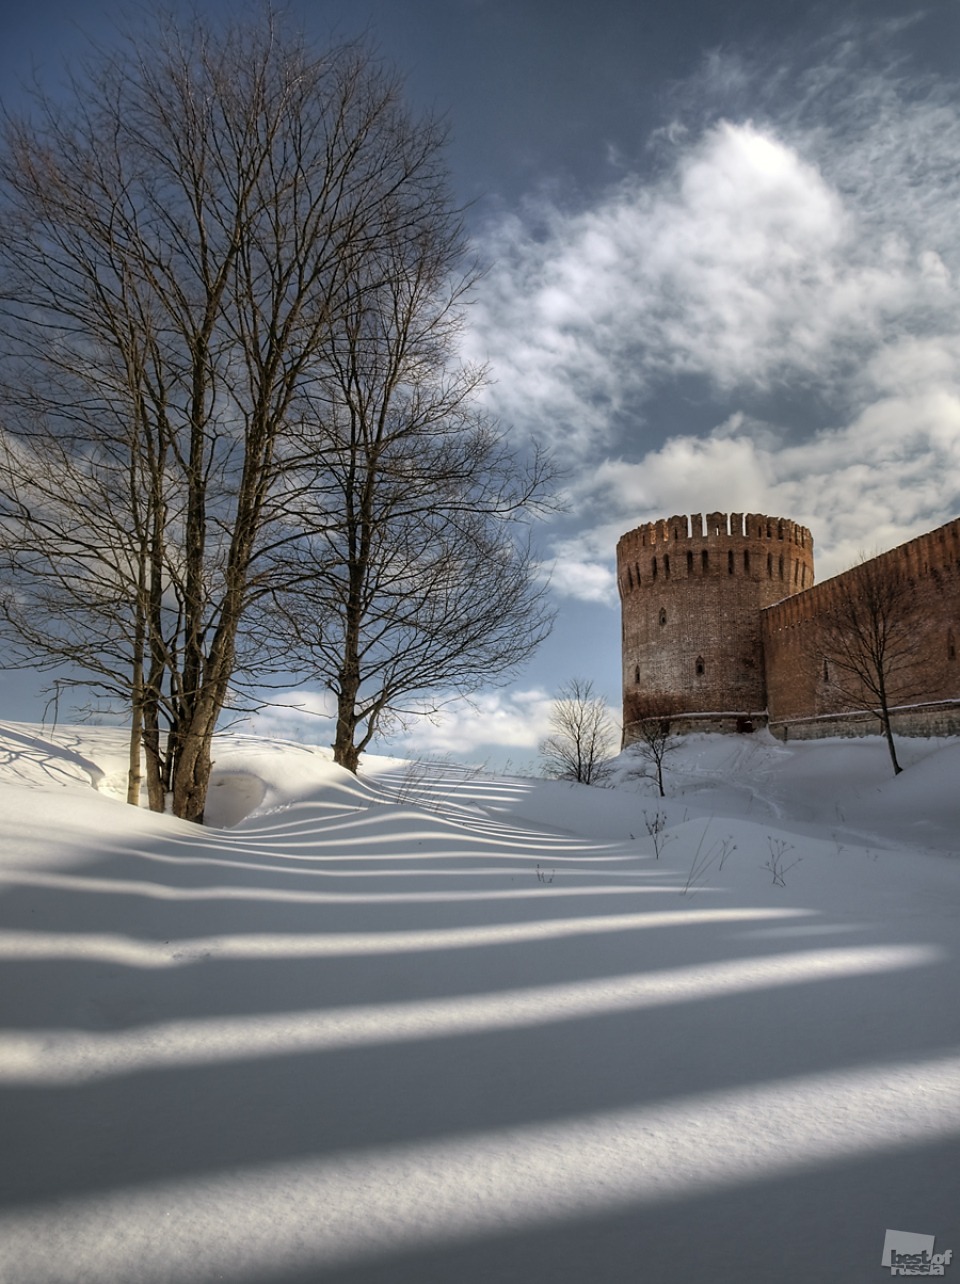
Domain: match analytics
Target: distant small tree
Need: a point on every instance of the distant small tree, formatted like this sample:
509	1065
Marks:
654	738
869	641
582	737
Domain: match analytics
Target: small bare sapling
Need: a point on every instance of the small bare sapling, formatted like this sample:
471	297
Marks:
777	863
656	826
704	860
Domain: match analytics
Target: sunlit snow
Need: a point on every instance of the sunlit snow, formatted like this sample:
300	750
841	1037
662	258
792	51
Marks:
435	1026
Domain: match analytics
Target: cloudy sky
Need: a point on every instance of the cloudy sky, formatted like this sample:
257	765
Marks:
724	271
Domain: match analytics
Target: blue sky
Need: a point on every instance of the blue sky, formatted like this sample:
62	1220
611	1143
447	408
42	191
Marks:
724	272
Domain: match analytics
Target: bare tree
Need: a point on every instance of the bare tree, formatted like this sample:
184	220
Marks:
422	585
185	246
75	578
654	737
868	639
582	738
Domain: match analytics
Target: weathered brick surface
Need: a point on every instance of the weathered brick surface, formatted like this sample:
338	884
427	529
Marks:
939	718
799	686
721	620
692	593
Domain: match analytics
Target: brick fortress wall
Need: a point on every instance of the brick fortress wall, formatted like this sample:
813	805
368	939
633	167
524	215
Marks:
692	593
802	700
722	625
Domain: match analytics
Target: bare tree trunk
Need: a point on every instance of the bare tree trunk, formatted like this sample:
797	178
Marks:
156	789
891	746
135	772
345	752
194	764
885	719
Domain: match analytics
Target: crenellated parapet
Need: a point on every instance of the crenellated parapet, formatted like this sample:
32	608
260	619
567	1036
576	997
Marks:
717	526
752	545
936	552
934	555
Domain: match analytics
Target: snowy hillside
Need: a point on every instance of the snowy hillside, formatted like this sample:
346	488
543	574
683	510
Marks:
433	1027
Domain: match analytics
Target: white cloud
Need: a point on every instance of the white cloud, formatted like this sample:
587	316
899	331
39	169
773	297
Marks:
302	715
808	251
689	473
588	580
511	724
888	475
727	268
511	720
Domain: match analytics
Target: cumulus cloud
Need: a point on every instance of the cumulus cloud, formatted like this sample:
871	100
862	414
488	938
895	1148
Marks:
575	573
888	475
511	721
745	265
707	272
795	244
515	721
302	715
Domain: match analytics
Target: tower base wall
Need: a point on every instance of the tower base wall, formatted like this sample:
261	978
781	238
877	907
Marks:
939	718
726	723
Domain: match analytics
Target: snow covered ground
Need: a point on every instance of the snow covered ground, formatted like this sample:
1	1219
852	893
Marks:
434	1027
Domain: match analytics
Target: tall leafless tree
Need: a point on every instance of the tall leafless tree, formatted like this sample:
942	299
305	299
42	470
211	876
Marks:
582	738
184	245
867	640
422	585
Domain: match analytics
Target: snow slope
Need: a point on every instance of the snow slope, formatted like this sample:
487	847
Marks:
437	1027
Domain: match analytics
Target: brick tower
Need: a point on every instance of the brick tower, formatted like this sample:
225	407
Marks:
691	594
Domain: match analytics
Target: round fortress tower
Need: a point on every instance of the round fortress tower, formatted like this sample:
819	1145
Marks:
691	594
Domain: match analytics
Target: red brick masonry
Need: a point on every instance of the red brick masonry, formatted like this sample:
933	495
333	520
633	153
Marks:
720	624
